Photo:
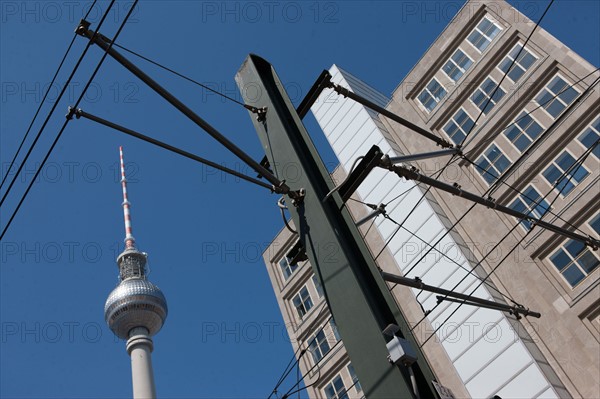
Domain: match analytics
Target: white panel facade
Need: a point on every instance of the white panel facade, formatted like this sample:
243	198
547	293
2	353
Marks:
488	355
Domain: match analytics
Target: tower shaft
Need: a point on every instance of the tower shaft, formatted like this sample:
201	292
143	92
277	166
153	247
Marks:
139	347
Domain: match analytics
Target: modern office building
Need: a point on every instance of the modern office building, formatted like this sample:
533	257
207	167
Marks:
530	142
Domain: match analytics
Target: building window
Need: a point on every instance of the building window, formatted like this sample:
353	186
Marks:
574	260
589	138
492	163
317	285
287	269
355	382
523	131
302	302
530	203
459	126
289	263
457	65
432	95
556	96
521	65
318	346
483	34
336	389
483	97
564	164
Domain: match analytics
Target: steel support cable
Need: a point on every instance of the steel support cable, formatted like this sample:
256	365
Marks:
70	115
540	105
546	132
79	113
500	179
43	100
520	193
155	63
296	363
311	369
451	260
414	208
514	61
106	45
12	162
577	165
454	157
14	179
291	365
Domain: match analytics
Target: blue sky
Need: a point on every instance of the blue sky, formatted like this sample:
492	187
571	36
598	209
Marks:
204	231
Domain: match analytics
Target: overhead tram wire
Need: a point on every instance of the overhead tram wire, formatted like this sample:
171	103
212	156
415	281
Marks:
293	363
155	63
578	162
69	117
566	174
454	157
310	370
540	105
448	258
62	92
12	162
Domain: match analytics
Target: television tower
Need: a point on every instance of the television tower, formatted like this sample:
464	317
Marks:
136	309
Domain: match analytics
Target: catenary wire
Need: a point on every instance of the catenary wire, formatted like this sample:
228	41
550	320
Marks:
450	259
12	162
291	365
454	157
69	118
311	369
488	140
439	240
14	179
520	193
514	61
565	174
182	76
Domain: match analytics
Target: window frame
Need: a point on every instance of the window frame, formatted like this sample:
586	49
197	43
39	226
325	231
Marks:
298	294
486	97
555	96
456	66
459	126
341	394
533	212
315	344
489	39
491	164
523	132
592	128
570	178
574	260
516	64
431	95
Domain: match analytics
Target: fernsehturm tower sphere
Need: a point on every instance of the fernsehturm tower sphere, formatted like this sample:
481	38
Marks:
136	309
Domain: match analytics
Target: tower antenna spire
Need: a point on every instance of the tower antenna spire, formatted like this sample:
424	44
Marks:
136	309
129	239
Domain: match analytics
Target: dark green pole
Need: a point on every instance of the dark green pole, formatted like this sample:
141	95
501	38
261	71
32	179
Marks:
358	297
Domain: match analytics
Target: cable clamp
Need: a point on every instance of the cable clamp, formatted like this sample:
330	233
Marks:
71	111
261	113
299	197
